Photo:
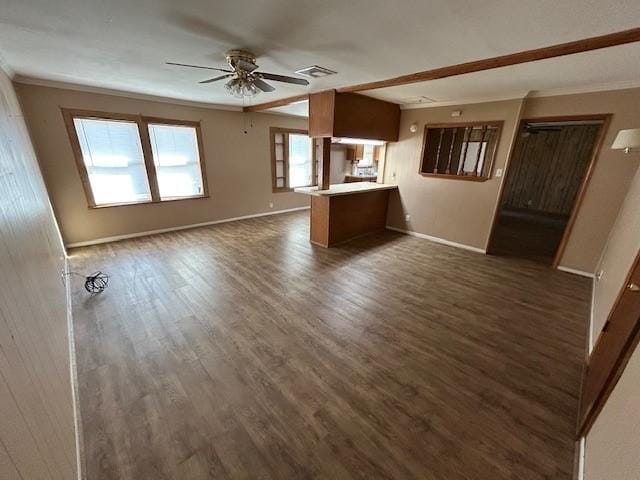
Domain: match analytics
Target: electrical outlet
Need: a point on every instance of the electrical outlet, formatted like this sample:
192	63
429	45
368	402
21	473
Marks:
270	204
407	217
393	175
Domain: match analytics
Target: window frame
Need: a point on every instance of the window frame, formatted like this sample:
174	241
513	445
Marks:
272	145
142	122
488	160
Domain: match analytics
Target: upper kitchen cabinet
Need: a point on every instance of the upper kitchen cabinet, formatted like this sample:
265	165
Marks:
350	115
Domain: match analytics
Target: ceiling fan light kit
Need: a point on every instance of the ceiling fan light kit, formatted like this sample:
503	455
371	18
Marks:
245	81
241	87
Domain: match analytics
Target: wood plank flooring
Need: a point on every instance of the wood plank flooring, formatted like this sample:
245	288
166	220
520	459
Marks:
240	351
534	236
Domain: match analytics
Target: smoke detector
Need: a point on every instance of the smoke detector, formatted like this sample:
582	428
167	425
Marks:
315	71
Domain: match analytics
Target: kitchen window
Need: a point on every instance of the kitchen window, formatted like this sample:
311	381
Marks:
461	151
293	161
130	159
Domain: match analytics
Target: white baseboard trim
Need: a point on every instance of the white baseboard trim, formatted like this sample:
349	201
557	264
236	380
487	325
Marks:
115	238
581	458
576	272
438	240
73	373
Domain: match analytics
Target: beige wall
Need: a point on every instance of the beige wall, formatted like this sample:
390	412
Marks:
462	212
453	210
619	254
613	443
238	165
37	439
612	448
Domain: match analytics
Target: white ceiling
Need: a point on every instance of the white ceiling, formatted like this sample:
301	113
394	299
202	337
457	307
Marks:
611	68
122	45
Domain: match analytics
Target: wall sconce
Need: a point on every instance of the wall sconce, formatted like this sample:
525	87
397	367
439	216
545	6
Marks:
627	140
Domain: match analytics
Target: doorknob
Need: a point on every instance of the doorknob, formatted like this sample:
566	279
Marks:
634	287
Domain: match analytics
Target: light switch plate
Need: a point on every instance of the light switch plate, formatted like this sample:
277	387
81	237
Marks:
498	173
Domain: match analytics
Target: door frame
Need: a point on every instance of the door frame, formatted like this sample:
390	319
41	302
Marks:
577	203
586	419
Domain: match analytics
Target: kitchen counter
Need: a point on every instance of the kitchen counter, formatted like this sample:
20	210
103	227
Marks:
346	188
345	211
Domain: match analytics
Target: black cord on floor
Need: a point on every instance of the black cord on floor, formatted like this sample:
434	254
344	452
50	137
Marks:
94	283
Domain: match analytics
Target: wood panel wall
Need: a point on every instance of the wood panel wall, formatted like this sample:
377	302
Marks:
548	169
37	438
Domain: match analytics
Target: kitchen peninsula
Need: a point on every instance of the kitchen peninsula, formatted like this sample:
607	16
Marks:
341	212
346	211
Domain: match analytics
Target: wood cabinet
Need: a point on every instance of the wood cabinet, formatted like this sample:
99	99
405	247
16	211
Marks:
351	115
359	152
359	178
355	153
337	219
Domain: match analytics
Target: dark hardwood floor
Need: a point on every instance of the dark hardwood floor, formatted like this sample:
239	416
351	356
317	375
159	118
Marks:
241	351
532	235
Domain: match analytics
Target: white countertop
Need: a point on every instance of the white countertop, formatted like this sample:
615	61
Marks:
346	188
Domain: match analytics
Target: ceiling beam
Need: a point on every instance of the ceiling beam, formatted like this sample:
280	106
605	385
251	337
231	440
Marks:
526	56
559	50
276	103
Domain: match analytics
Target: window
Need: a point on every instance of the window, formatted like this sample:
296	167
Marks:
128	159
113	159
463	151
176	160
293	161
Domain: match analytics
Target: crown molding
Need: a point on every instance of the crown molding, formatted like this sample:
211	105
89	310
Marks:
41	82
602	87
605	87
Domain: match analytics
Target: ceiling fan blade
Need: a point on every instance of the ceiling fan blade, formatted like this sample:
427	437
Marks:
198	66
282	78
246	66
262	85
215	79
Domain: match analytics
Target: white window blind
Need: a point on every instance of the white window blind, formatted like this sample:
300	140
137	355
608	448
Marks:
177	160
300	164
113	157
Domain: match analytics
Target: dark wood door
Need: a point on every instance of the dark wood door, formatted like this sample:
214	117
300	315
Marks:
611	353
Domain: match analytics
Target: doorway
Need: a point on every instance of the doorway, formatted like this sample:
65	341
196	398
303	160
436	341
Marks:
546	180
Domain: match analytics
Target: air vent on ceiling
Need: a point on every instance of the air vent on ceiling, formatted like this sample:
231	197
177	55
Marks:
416	100
315	71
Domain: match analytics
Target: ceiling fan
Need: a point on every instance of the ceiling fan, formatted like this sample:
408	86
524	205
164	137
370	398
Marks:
244	81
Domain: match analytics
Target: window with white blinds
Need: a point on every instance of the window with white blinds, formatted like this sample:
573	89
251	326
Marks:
177	160
112	155
127	159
